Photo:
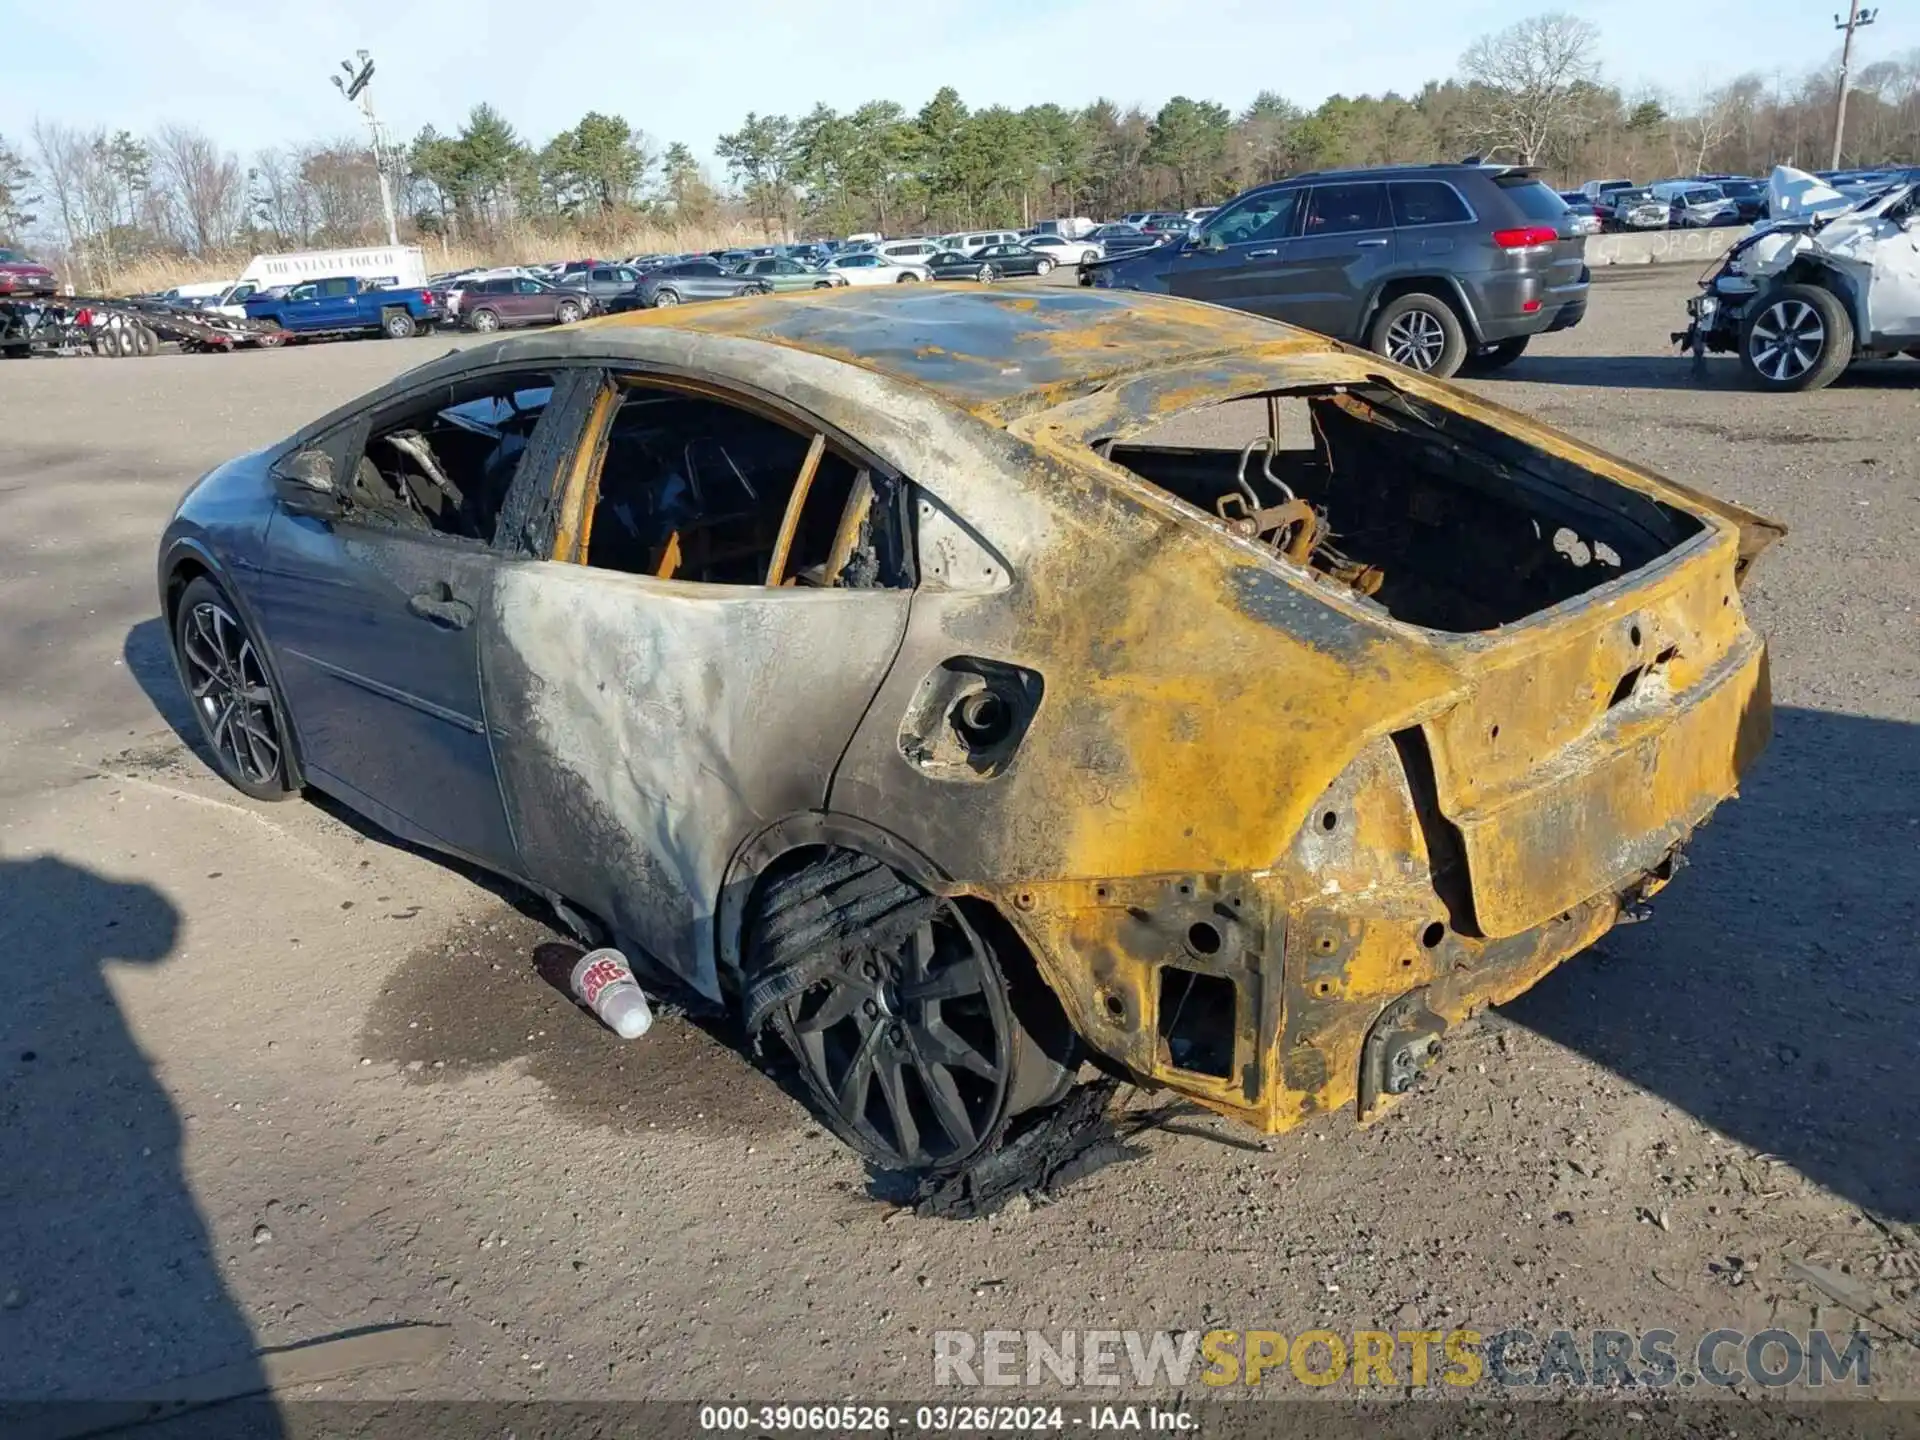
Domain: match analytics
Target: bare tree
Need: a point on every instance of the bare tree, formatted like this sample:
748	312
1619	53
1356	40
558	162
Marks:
1529	83
1703	129
206	185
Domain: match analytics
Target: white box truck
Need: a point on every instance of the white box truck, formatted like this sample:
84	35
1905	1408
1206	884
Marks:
389	266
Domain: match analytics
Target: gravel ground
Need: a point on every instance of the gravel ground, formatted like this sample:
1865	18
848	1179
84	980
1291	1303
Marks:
266	1076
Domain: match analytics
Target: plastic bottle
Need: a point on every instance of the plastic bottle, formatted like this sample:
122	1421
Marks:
604	982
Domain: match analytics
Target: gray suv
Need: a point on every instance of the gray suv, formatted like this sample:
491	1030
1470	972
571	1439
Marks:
1433	266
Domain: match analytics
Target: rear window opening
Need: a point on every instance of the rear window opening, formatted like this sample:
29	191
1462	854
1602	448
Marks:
1440	520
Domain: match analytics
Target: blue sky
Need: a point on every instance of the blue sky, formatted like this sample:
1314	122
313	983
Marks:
684	71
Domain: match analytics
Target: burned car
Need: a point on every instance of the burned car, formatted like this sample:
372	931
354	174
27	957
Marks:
869	660
1827	281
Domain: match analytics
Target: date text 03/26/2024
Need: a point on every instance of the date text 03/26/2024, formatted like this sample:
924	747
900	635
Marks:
943	1419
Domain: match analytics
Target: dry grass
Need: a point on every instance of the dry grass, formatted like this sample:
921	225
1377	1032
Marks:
159	272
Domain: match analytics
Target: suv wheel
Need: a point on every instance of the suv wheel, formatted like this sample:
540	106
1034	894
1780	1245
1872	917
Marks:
1421	332
1798	337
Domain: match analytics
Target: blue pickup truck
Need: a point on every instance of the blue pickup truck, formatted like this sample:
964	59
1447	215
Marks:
345	304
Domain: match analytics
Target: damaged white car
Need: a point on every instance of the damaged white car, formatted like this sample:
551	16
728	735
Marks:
1829	280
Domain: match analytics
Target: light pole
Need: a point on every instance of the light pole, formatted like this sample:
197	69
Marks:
1856	18
354	87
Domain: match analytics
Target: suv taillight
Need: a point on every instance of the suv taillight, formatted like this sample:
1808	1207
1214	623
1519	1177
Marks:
1526	235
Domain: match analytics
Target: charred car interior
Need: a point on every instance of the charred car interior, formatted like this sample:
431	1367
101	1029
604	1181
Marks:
1440	520
878	666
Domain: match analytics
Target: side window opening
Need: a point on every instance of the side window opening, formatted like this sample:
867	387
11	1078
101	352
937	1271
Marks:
444	463
695	488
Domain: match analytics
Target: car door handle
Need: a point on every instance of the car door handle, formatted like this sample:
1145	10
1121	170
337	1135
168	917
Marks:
1261	254
1377	240
437	604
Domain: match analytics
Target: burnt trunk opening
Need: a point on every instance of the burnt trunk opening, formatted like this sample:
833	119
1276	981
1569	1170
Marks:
1442	521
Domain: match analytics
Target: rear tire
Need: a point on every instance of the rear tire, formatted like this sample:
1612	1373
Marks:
665	297
909	278
1042	266
484	321
398	325
1421	332
231	691
1496	357
1797	337
145	342
915	1026
566	312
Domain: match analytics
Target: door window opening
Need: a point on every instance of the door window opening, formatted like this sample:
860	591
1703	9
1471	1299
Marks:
444	462
694	488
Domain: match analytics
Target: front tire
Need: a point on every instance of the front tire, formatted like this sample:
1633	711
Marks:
241	716
1042	266
398	325
1798	337
484	322
665	298
1421	332
907	278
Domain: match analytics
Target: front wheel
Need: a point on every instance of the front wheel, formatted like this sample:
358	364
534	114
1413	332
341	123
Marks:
1798	337
907	278
988	274
232	693
1042	266
1421	332
665	297
484	321
566	312
398	325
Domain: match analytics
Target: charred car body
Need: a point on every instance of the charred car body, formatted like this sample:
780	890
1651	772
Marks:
863	657
1825	282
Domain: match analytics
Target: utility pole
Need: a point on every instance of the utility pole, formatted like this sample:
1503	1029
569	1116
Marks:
354	87
1856	18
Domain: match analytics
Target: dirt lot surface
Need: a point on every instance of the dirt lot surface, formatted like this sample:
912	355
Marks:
266	1076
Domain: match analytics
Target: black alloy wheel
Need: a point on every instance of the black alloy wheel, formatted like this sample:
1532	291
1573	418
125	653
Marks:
232	694
907	1035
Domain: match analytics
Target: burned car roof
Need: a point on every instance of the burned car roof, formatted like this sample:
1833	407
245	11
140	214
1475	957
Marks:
979	350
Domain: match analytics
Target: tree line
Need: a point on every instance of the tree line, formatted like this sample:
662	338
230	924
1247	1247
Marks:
1532	93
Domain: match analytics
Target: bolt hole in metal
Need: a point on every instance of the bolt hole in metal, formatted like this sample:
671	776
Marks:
1633	637
1323	988
1494	733
1204	938
1330	821
1433	935
1115	1007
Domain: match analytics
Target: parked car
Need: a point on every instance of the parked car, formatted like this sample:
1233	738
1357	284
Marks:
1600	189
1826	282
20	275
970	241
809	764
1692	205
1064	251
602	281
686	281
1199	214
866	268
906	252
1633	210
782	274
1432	266
1167	222
990	263
1585	215
346	304
1123	240
505	301
1069	227
1749	198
